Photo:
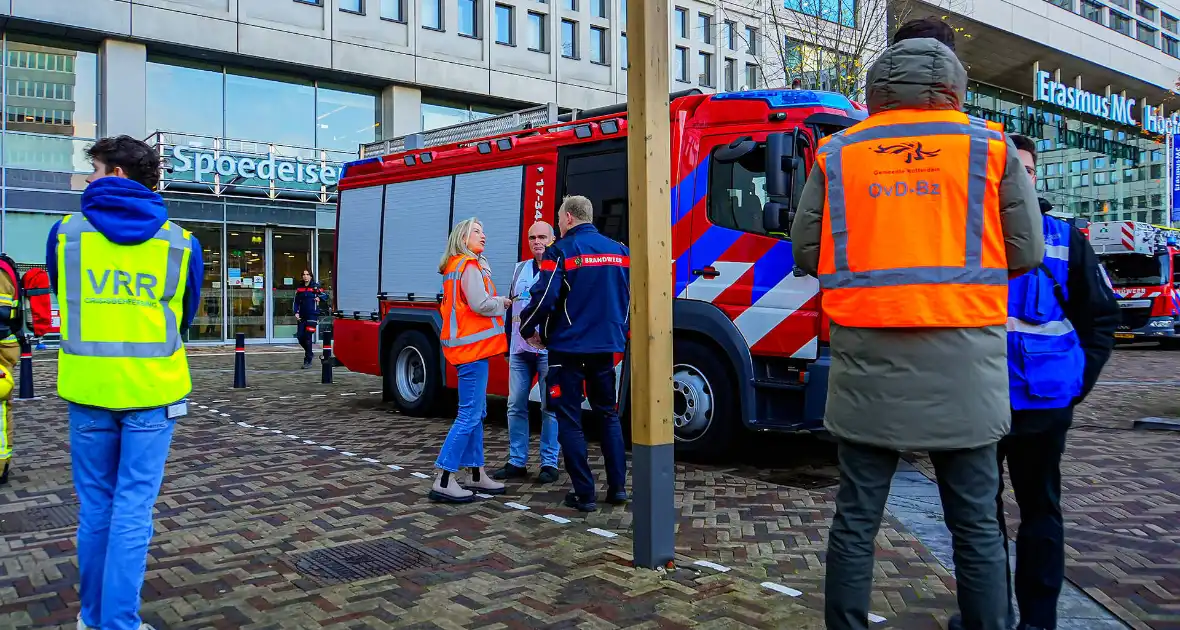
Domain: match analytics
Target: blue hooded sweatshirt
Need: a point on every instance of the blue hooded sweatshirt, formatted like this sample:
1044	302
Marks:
127	213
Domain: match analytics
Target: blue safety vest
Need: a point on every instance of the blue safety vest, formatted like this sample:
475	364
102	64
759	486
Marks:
1045	358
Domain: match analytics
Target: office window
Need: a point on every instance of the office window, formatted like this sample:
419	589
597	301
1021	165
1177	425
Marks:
623	51
680	23
1120	23
751	76
1146	34
1064	4
571	5
1169	23
505	25
469	18
598	39
1146	11
598	8
538	32
1101	178
1093	11
705	69
730	35
1126	4
432	14
705	25
751	41
352	6
730	75
1171	46
680	64
394	10
569	39
318	3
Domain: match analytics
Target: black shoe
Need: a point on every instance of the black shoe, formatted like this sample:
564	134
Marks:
510	472
548	474
4	474
616	497
306	363
572	501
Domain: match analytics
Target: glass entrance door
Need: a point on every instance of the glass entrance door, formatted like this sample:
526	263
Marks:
291	254
245	270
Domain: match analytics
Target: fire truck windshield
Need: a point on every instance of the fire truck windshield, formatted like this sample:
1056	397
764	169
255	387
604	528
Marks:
1130	270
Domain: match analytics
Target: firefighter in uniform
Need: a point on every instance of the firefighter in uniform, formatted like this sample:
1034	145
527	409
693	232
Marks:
128	283
578	309
914	220
307	314
10	349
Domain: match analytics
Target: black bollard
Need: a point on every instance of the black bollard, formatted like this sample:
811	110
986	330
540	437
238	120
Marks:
326	370
26	370
240	361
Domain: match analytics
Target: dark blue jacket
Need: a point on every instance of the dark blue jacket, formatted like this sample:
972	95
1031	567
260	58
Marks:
127	213
305	306
580	302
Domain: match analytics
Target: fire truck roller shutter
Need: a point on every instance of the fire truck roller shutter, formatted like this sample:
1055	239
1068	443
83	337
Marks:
417	223
358	241
494	196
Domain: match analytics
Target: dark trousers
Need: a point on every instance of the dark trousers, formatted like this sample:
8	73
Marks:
1034	467
967	483
568	373
305	333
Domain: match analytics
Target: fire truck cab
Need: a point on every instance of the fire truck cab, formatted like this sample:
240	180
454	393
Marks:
1143	264
750	343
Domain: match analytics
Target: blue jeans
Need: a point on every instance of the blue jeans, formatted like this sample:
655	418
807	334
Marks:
463	447
118	459
522	368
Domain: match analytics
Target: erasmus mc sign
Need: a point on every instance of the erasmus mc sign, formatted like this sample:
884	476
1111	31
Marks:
1114	107
202	162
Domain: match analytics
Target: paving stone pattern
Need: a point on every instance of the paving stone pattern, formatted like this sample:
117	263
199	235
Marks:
289	466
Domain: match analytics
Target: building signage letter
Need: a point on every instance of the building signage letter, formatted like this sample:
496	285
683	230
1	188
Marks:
203	162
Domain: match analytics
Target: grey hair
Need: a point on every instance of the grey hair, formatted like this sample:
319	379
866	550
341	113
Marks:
578	207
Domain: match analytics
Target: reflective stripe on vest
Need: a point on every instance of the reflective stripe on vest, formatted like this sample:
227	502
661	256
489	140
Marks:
73	343
477	336
5	444
973	271
453	321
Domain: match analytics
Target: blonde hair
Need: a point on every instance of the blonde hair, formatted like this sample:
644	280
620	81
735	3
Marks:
578	207
457	243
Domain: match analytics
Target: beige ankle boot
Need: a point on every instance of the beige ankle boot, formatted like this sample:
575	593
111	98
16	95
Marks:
481	481
446	489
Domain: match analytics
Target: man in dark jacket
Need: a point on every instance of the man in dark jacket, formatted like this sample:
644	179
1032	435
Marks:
578	308
1036	442
307	315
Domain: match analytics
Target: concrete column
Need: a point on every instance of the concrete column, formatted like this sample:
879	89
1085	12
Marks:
122	89
401	111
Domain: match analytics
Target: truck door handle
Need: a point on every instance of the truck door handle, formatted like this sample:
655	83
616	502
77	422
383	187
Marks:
708	272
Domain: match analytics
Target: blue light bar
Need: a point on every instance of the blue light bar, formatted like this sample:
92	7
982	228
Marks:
349	165
782	99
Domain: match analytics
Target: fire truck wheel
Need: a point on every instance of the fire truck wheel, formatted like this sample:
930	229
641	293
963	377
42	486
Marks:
413	373
703	406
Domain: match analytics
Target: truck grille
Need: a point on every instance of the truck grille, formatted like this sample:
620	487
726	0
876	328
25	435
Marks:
1134	318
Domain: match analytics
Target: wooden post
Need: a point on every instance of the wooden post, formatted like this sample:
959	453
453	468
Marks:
648	173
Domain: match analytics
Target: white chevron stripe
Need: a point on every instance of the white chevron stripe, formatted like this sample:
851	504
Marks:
810	350
707	289
775	306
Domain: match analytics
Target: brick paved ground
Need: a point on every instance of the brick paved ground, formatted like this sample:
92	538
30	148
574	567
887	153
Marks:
240	502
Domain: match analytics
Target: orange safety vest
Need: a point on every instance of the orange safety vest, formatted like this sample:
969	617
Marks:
466	335
911	222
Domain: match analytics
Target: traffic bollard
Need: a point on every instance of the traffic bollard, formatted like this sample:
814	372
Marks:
26	371
240	361
326	371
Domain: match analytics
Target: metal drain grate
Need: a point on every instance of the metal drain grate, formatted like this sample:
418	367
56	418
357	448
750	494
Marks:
358	561
39	519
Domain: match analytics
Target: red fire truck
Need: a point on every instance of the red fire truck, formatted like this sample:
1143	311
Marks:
750	344
1141	261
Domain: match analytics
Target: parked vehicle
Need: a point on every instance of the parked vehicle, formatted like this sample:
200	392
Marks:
1141	261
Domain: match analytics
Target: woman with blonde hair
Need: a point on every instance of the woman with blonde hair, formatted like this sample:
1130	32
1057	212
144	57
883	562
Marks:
472	331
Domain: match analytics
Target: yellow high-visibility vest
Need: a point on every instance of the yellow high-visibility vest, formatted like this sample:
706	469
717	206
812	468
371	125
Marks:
121	307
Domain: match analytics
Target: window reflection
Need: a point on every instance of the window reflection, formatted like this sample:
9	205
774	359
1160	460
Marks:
185	97
345	119
252	101
51	89
439	113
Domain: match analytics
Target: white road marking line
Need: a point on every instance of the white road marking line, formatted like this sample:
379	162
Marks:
348	394
347	454
285	397
370	460
785	590
327	448
276	430
712	565
420	475
262	428
483	496
219	401
602	532
376	392
318	395
202	406
243	424
225	415
255	399
309	442
294	437
876	618
557	519
517	506
393	467
214	411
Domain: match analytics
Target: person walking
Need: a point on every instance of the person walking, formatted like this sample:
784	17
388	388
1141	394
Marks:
1062	317
307	314
11	342
578	309
472	331
128	282
913	220
526	363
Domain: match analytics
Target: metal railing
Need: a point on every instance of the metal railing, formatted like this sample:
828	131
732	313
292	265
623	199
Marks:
493	125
